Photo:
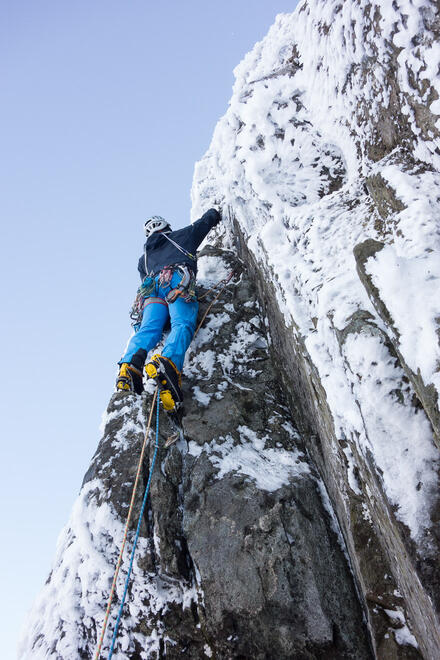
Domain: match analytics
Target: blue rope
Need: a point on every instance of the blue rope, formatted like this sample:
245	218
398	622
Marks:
156	447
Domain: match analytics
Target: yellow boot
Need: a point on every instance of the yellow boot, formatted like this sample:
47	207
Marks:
168	378
129	379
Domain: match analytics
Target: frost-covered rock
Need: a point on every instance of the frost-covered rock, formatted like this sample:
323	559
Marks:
327	166
299	519
240	554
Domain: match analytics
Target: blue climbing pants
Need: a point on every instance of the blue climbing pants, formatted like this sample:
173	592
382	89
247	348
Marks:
183	318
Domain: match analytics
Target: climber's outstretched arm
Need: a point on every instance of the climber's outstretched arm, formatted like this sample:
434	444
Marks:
202	226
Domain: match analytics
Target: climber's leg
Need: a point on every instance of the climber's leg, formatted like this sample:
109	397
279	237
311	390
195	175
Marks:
183	316
166	368
149	334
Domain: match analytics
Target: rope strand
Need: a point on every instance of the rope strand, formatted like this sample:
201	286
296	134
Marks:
141	514
118	564
226	281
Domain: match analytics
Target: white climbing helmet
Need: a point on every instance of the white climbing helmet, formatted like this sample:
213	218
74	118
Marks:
155	223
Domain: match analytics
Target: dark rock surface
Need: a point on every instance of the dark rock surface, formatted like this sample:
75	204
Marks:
259	553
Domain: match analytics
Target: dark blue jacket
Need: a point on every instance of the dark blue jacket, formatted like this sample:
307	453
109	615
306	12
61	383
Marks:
159	252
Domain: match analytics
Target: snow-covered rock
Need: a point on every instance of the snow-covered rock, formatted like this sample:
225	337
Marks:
230	558
327	167
300	517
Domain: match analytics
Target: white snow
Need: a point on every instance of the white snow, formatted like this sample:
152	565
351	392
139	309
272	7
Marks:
74	599
407	273
404	637
400	440
202	397
211	270
207	651
299	122
269	468
401	632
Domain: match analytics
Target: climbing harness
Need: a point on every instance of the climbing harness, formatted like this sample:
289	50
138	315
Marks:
124	541
186	288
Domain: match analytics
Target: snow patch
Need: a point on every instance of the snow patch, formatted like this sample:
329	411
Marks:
269	468
210	270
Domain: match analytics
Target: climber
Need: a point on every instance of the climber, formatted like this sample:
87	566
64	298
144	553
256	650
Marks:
168	271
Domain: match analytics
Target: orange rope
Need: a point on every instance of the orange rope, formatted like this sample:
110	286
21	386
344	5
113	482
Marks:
226	279
118	565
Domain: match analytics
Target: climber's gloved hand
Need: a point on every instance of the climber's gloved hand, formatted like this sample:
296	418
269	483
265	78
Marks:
216	205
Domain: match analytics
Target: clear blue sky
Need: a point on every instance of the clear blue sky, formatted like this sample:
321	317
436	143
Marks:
104	108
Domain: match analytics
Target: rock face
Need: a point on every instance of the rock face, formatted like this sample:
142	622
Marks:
240	554
299	518
327	168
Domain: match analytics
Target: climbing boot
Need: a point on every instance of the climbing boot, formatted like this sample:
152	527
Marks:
129	379
168	378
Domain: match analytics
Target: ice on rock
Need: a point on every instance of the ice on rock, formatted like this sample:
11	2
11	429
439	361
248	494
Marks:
290	159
